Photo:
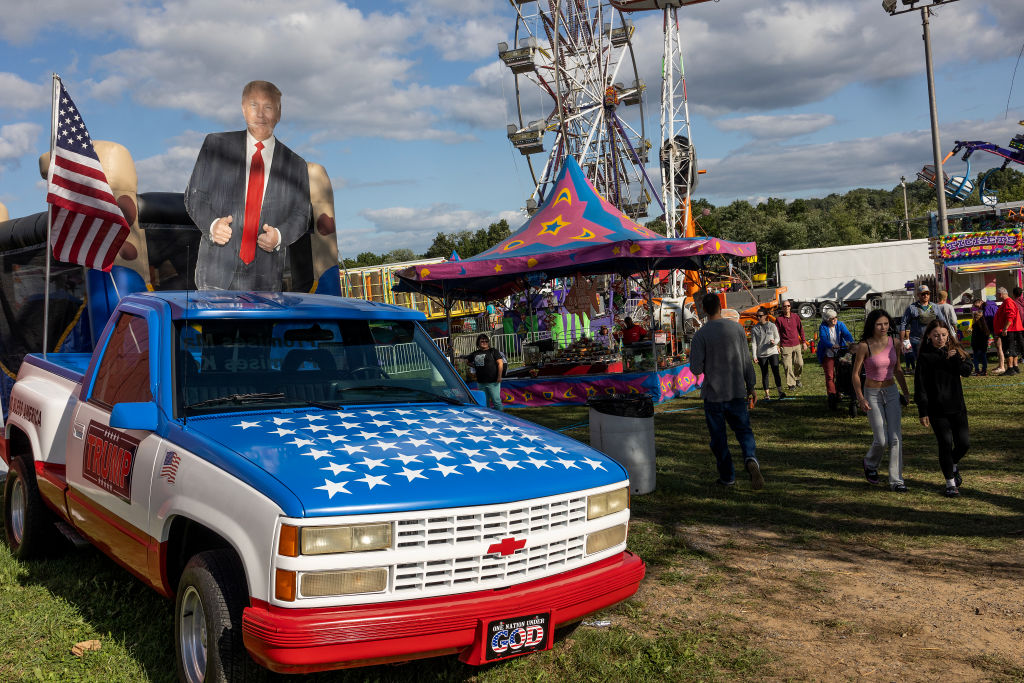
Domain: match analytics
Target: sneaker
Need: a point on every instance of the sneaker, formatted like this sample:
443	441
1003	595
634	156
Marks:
767	395
998	371
951	492
899	488
871	476
756	479
782	394
1016	369
726	484
957	478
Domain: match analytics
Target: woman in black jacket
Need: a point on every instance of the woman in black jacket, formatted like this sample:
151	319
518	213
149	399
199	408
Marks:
940	398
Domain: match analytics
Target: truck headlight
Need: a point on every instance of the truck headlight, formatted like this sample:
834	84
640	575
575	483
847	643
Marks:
343	582
608	503
606	538
349	538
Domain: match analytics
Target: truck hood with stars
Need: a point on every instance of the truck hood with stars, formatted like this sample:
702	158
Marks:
409	457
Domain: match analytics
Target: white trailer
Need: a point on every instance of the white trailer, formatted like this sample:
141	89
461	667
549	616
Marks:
826	278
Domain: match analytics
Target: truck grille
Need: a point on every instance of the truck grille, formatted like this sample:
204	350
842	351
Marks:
466	569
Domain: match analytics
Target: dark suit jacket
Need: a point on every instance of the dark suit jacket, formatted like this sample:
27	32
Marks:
217	188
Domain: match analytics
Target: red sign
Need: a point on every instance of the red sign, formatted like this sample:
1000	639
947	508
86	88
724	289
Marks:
108	460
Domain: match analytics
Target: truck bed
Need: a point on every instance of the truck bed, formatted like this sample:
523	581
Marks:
71	366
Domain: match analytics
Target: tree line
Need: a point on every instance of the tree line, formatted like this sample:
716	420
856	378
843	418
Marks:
855	217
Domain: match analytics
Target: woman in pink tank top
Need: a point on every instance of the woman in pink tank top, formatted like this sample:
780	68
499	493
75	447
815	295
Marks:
877	395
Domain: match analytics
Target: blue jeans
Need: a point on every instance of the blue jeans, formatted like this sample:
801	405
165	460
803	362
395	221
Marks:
980	360
492	390
735	414
885	415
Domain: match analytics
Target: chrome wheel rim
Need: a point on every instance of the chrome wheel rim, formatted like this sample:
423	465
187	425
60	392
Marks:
17	506
192	635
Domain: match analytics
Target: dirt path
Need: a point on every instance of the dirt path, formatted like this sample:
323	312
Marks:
842	613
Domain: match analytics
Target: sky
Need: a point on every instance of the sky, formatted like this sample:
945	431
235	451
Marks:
405	103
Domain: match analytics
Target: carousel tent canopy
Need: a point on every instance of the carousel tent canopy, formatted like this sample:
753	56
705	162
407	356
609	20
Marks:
575	232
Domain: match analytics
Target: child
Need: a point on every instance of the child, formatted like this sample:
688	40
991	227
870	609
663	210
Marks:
980	335
940	398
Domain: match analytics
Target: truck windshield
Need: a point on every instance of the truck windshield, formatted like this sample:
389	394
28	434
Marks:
227	365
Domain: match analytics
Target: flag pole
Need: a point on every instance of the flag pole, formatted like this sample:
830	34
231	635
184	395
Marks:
49	211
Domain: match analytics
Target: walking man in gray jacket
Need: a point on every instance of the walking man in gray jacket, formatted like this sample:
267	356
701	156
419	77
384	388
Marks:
719	351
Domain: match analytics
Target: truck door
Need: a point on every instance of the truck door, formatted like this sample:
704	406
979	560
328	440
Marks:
110	470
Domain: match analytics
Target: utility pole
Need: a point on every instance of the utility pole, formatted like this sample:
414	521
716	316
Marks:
906	211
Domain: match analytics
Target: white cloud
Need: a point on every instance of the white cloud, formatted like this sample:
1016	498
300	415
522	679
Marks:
776	127
17	140
19	94
170	171
746	57
23	20
771	169
415	227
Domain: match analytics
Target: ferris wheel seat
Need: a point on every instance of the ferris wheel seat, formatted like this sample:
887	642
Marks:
519	60
620	35
630	96
529	140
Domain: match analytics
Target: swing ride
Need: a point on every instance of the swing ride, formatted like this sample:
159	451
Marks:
960	187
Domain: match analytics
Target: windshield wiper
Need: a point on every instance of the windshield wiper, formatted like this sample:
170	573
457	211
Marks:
236	398
385	387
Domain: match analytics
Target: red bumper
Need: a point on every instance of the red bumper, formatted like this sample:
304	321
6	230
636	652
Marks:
307	640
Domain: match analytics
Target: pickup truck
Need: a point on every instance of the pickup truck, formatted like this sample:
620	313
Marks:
313	484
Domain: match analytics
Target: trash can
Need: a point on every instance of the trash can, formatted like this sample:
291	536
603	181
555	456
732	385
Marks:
622	427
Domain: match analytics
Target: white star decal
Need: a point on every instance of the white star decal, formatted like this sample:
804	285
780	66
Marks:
500	451
478	465
381	423
594	464
374	480
280	431
503	437
369	435
348	425
411	474
470	453
447	439
335	468
537	463
531	437
399	411
447	469
429	430
281	420
400	432
439	455
316	428
529	450
406	459
333	438
567	463
350	449
384	445
510	464
316	454
245	425
417	443
554	449
375	413
299	443
333	487
371	463
457	429
311	418
477	438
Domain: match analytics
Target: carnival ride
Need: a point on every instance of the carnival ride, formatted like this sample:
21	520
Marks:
960	187
578	93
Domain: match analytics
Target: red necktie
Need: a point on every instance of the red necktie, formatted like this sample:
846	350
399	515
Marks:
253	203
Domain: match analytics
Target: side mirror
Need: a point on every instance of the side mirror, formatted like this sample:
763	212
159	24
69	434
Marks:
479	396
135	416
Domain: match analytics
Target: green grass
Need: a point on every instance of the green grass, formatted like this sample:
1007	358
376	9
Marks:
815	498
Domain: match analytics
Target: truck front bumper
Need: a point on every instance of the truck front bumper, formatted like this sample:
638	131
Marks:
307	640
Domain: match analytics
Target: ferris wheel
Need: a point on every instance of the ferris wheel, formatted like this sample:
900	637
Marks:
577	93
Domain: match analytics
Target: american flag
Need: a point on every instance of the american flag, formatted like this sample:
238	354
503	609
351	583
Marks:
87	226
170	468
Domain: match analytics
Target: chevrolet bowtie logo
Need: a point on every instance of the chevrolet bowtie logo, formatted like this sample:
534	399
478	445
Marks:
507	546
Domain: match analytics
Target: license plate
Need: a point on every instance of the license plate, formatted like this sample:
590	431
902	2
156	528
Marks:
517	636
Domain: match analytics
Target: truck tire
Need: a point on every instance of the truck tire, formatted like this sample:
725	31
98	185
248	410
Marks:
828	306
28	523
806	310
208	621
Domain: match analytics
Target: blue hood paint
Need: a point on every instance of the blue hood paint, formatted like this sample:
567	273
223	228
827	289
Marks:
404	457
